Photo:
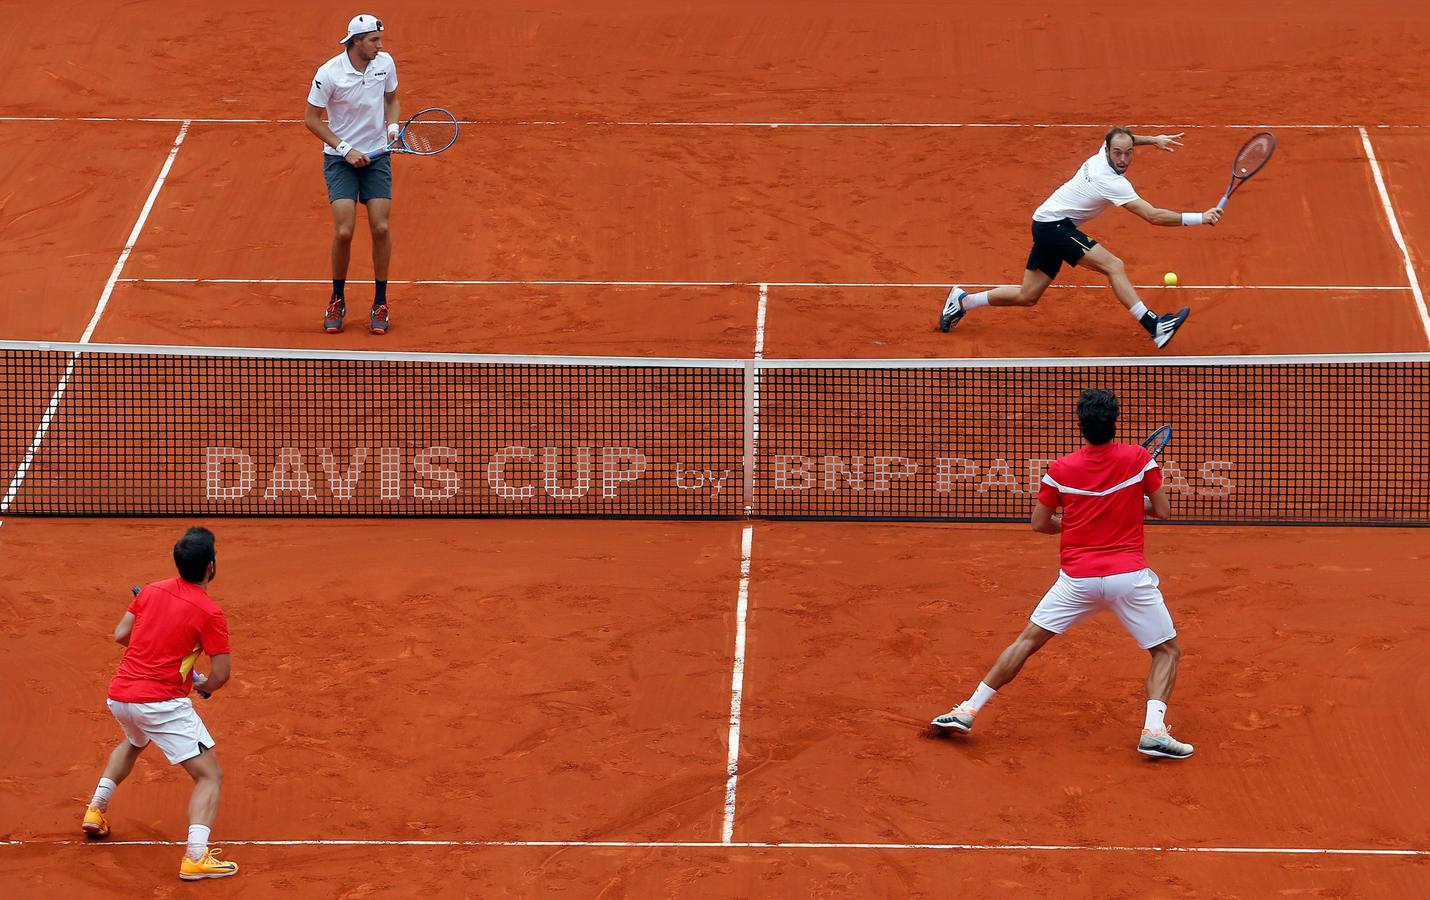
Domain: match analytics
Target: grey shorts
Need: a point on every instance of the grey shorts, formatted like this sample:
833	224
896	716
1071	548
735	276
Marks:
372	182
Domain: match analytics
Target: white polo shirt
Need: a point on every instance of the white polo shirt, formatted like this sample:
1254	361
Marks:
353	99
1095	187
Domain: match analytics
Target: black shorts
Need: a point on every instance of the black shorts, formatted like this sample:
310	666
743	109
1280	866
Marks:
345	182
1055	243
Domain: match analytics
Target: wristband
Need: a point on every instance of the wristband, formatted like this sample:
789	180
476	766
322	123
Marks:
343	148
1192	218
392	129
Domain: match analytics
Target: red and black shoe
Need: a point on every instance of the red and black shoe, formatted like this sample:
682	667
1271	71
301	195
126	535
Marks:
377	321
333	318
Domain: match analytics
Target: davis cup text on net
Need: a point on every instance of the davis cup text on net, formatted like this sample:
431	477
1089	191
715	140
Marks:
516	473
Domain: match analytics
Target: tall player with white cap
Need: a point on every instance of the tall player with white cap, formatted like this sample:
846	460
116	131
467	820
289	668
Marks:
358	90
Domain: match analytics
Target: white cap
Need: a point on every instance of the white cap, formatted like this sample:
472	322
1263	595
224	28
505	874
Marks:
361	25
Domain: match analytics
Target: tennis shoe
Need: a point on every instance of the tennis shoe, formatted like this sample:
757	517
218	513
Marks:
333	318
1167	326
377	321
206	866
1161	744
959	719
95	825
953	310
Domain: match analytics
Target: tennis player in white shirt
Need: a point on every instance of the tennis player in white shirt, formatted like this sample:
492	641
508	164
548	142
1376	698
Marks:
357	89
1099	183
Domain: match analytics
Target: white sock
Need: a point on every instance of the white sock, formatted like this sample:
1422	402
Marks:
1139	310
982	695
973	301
198	841
1156	716
102	794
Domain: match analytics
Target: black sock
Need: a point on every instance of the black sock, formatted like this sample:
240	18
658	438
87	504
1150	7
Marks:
1149	322
379	298
338	285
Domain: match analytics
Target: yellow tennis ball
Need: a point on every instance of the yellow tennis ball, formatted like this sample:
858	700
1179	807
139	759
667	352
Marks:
1170	279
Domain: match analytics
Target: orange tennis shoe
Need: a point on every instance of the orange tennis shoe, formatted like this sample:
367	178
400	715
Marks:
206	866
95	825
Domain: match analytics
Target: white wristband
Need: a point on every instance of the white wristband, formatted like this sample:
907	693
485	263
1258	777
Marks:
344	148
1192	218
392	129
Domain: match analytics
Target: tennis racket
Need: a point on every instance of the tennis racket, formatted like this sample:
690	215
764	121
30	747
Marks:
1253	154
427	133
1158	440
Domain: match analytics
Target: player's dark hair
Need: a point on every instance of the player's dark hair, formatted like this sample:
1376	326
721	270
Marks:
1112	133
193	553
1097	413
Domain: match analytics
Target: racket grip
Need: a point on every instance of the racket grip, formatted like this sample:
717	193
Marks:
1221	204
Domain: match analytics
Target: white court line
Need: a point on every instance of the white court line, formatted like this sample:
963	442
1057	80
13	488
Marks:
770	845
760	321
595	123
1395	232
737	686
577	282
58	395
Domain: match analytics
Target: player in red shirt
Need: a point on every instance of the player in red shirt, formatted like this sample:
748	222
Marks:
163	632
1106	490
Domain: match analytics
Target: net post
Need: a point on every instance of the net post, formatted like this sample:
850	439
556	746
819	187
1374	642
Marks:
751	412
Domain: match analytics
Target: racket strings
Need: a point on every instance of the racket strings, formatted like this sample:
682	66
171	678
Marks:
1254	155
430	134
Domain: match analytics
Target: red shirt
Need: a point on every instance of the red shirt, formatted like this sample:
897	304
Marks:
174	621
1100	489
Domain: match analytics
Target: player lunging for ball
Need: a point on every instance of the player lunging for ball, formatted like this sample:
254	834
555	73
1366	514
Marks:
358	89
1101	489
1099	183
163	631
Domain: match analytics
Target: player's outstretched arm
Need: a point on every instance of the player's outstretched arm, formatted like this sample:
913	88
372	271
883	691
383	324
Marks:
1167	142
1170	217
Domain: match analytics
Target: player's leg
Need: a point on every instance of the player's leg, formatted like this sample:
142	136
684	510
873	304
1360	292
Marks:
1010	661
378	213
1136	599
121	763
344	220
1042	268
1067	602
375	191
199	861
1005	669
1160	328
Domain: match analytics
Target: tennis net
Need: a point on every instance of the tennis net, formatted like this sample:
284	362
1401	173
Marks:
90	430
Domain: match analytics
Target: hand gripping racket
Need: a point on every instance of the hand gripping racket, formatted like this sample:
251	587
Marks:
427	133
1253	154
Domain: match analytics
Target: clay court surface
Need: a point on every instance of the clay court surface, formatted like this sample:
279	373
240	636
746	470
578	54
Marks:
537	707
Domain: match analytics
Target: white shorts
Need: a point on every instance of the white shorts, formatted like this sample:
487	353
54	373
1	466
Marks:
1132	596
171	724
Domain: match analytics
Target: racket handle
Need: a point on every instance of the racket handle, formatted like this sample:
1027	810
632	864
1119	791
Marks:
134	590
1221	204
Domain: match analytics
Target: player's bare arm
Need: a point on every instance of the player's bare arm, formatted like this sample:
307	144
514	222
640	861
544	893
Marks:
313	118
1157	505
220	670
1169	217
1045	520
124	629
1167	142
392	114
